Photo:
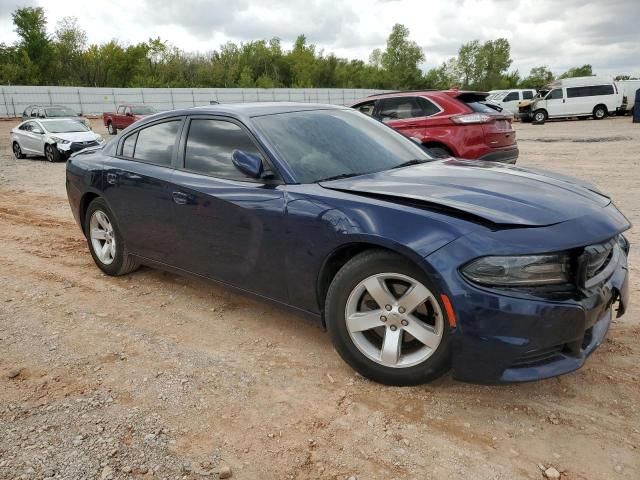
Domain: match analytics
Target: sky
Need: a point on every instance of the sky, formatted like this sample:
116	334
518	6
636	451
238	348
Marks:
558	33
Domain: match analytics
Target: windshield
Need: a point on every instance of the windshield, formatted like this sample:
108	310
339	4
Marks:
323	144
541	94
64	126
142	110
60	112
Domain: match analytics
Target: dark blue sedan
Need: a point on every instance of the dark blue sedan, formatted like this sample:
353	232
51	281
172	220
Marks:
413	265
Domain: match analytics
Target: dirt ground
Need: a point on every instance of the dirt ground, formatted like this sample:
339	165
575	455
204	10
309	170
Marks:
153	375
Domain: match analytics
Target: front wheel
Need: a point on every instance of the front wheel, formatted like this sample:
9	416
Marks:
540	116
105	241
111	128
52	154
386	321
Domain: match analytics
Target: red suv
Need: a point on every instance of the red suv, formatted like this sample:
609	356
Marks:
447	122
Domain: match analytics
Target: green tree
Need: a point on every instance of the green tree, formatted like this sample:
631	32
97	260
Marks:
31	26
583	71
401	58
538	78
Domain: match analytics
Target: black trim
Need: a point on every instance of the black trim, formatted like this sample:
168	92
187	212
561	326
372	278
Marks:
502	156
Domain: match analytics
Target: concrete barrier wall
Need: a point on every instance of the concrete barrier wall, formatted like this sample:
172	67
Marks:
95	101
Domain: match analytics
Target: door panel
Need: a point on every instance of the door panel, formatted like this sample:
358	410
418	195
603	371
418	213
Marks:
138	193
230	231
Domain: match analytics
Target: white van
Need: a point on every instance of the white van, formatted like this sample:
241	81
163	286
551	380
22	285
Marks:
573	97
509	99
627	89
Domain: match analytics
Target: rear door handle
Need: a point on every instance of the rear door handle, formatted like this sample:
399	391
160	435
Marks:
180	198
112	178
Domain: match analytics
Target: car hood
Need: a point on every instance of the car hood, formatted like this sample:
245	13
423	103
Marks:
76	136
484	191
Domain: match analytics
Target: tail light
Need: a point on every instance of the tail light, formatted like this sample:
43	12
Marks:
472	118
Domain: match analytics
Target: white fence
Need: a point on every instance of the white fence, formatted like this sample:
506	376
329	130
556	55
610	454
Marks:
95	101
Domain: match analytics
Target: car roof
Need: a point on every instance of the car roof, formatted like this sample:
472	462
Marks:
451	93
247	110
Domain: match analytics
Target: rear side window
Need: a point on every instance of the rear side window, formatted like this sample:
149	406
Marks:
590	91
428	107
27	112
528	95
155	143
210	144
129	145
398	108
511	97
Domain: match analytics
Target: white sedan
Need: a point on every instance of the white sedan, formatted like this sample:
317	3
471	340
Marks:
56	139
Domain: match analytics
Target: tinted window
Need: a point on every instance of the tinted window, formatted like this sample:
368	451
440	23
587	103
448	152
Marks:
428	107
555	94
366	108
155	143
528	95
60	112
26	127
129	145
399	107
590	91
482	107
511	97
210	144
325	143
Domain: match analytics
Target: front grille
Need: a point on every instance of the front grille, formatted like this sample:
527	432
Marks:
77	146
537	357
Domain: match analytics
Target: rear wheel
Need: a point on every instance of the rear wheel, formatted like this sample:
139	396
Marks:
17	151
385	320
600	112
111	128
105	241
52	154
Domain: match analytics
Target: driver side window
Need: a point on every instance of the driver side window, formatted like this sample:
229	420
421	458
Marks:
555	94
398	108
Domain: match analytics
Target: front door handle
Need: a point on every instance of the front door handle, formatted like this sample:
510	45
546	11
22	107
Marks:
180	198
112	178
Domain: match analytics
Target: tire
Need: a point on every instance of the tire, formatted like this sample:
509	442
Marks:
51	154
600	112
112	130
540	116
407	361
17	151
115	260
438	152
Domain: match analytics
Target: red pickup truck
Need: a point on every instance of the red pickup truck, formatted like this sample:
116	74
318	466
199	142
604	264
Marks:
125	116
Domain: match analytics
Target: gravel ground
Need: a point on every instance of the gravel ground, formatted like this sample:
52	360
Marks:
159	376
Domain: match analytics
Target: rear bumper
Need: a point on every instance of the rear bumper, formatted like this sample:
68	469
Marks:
509	155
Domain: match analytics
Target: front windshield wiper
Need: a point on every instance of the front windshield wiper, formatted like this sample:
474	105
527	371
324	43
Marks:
338	177
415	161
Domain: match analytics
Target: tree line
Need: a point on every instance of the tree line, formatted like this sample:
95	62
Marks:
65	58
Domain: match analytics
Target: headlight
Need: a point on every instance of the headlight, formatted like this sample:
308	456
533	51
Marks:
60	140
519	271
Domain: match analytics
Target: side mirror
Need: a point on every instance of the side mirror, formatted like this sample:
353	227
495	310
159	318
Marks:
129	114
37	131
248	163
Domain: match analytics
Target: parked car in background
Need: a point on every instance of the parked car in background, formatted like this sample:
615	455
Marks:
124	116
55	139
627	89
53	111
580	97
447	123
494	93
413	264
508	100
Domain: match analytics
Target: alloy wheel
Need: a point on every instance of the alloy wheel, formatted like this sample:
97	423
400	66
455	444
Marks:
17	152
49	153
102	236
394	320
